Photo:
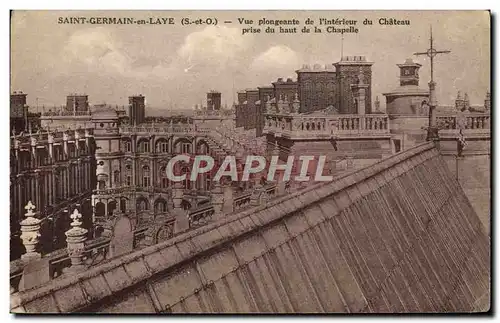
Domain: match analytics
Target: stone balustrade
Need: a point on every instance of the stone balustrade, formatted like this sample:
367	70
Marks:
171	129
464	121
241	201
66	113
201	216
306	126
77	256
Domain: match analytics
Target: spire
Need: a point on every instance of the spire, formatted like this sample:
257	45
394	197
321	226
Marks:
466	101
487	101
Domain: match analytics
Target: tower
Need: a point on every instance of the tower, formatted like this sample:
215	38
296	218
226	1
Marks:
466	101
347	74
316	87
136	109
409	73
407	98
77	102
459	102
18	112
359	93
213	101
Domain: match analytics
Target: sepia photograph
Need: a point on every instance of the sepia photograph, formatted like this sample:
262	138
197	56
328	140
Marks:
244	161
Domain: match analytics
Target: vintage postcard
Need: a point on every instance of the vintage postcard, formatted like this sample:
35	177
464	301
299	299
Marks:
250	162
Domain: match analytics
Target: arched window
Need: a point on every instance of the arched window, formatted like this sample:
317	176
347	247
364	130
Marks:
161	205
142	204
144	146
162	146
163	177
145	176
128	145
185	148
187	182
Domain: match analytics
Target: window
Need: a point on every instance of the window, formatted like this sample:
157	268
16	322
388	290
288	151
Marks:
82	148
187	182
203	149
145	176
163	175
129	180
185	148
142	205
128	146
397	146
144	146
162	147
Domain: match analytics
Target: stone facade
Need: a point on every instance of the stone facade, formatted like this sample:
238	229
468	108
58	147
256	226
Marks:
328	89
317	87
55	170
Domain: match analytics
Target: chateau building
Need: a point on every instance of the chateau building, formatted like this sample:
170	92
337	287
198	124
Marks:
131	167
55	170
317	88
104	168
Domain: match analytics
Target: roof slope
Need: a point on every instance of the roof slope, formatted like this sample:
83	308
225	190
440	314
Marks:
397	236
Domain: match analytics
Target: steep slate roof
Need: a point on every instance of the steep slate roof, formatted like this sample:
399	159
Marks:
397	236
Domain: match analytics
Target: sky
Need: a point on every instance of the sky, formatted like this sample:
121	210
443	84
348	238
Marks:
175	65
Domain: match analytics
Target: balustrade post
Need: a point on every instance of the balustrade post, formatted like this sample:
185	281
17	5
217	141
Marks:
75	239
227	206
30	233
217	199
257	196
181	216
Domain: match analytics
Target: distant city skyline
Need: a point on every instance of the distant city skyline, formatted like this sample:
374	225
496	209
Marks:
175	66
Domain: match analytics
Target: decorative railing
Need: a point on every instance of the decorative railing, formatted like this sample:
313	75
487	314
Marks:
464	121
201	216
271	190
241	201
326	126
158	129
65	113
149	189
96	252
112	191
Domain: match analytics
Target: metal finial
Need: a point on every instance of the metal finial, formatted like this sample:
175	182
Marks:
76	216
30	207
